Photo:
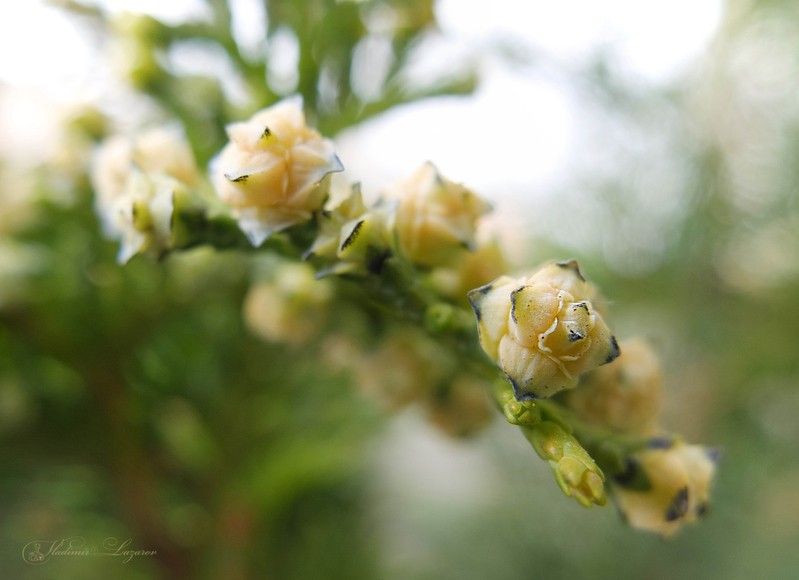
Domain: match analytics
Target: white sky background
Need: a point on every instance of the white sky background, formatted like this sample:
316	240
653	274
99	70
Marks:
521	135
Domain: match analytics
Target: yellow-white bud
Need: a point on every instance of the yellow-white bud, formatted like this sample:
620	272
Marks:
405	367
435	217
135	182
470	270
274	171
289	308
677	488
352	238
624	395
463	408
543	330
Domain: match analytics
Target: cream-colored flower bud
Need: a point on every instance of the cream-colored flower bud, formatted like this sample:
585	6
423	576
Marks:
405	367
435	218
274	172
140	217
676	487
470	270
352	238
290	307
157	151
136	182
543	330
624	395
463	408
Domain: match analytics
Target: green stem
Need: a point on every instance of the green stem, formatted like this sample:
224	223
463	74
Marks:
608	448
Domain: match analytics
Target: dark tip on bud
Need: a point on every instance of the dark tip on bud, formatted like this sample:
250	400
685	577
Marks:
678	506
513	303
267	133
520	394
615	351
714	454
574	336
583	305
375	258
632	476
353	235
573	266
475	297
660	443
437	177
702	509
237	179
630	473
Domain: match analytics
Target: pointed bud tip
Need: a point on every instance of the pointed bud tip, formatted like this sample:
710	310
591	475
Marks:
573	266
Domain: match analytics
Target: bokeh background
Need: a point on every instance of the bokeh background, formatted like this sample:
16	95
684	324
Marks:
657	142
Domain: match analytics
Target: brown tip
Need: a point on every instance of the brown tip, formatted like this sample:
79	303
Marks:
573	266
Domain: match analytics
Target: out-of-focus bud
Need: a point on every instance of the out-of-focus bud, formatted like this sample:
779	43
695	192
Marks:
290	307
405	367
624	395
274	172
462	409
575	471
470	270
435	217
664	488
137	183
157	151
353	239
543	330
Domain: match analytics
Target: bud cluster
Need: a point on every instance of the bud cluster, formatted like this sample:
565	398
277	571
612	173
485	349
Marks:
664	484
415	252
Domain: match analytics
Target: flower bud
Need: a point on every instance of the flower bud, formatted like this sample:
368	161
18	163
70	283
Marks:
462	409
624	395
405	367
575	471
675	489
290	308
435	218
274	172
353	239
156	151
137	182
470	270
542	330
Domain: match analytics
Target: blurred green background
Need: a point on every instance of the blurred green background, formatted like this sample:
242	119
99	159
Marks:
134	403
